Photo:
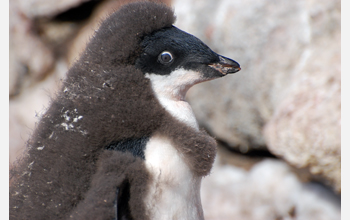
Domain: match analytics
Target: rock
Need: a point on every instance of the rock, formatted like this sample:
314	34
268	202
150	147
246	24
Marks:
43	8
269	190
311	112
31	59
287	95
16	73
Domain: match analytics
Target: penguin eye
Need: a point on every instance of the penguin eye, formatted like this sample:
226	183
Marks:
165	57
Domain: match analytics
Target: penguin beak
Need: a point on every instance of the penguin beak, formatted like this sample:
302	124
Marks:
225	65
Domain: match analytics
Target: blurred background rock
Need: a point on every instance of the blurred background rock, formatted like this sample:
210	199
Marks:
277	121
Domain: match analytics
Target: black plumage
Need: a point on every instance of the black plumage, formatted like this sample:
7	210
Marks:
135	146
85	159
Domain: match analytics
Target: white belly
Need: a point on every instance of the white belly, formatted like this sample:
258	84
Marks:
174	192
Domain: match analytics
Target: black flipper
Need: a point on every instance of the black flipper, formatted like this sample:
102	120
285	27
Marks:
136	146
121	202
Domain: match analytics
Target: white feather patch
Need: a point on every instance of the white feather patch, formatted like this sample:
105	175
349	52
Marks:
171	91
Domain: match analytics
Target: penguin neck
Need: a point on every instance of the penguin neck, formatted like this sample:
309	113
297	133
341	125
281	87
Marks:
171	90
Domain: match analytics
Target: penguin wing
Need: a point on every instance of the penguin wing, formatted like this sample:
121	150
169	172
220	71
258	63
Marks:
121	202
136	147
108	196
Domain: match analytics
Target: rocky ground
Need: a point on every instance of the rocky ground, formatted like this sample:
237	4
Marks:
277	121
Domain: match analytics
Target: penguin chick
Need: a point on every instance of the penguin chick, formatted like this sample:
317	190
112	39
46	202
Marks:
119	141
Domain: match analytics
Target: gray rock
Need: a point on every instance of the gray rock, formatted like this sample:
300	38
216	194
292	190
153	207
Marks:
31	59
44	8
269	190
305	129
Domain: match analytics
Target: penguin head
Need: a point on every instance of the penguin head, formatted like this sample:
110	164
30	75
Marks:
174	61
142	35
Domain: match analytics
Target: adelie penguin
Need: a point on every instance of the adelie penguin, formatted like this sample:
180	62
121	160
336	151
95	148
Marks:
119	141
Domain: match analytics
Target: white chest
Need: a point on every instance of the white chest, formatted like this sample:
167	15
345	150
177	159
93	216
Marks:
181	110
174	192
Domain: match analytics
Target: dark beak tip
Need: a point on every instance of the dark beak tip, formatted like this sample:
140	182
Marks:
232	65
232	71
236	69
226	65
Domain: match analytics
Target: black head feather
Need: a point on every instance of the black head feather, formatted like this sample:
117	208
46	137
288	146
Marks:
183	51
